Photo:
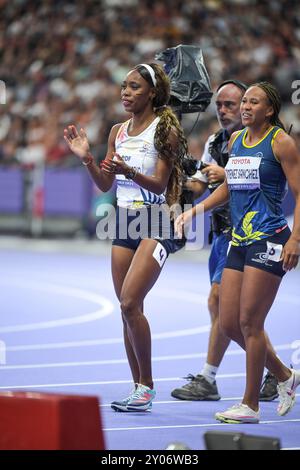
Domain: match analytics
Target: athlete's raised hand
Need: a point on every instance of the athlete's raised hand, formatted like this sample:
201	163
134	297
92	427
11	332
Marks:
77	141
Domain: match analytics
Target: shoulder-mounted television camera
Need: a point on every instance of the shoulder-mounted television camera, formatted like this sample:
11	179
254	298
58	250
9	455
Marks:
190	85
190	90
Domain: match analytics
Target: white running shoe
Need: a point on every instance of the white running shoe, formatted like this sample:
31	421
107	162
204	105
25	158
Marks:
286	390
239	413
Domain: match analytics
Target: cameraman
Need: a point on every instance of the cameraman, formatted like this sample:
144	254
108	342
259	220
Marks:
215	156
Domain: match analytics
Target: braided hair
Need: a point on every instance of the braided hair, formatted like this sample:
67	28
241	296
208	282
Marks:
274	99
168	123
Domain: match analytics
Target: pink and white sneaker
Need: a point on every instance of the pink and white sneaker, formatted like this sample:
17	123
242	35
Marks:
141	399
239	413
287	395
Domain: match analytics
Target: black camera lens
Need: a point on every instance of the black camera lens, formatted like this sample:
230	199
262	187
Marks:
190	166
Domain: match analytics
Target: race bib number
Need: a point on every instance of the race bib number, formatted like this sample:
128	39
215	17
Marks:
160	254
243	173
274	251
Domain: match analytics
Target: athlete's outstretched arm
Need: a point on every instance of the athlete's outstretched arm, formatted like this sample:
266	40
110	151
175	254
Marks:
288	154
219	197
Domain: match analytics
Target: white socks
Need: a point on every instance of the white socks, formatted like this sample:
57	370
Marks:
209	372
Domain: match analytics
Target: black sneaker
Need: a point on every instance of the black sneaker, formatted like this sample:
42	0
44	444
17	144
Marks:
198	388
268	391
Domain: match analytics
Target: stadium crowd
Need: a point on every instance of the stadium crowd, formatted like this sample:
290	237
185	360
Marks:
63	61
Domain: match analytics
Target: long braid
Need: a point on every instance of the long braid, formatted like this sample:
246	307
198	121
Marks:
168	123
275	101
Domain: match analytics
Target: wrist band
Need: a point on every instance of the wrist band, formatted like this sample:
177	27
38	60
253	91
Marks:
90	160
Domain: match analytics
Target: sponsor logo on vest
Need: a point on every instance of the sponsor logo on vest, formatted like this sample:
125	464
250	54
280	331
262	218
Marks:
126	158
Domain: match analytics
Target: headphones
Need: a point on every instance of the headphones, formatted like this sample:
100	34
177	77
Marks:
242	86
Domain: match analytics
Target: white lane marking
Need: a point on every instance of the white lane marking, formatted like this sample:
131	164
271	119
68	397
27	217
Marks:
147	428
68	344
108	382
168	402
99	342
184	295
174	401
89	363
186	332
104	362
187	296
65	364
106	307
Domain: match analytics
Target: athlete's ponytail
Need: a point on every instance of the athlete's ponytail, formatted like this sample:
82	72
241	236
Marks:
168	124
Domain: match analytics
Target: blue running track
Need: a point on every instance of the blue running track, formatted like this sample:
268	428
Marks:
61	326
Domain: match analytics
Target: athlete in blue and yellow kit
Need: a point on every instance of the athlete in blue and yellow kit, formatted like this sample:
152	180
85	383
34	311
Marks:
262	157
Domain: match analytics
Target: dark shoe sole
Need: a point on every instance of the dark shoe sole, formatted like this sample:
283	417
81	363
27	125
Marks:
271	398
179	396
120	409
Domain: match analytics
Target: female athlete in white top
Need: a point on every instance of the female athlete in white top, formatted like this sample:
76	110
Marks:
145	156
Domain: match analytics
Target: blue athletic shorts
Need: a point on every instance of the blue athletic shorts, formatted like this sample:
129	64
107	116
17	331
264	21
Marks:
143	223
217	258
262	254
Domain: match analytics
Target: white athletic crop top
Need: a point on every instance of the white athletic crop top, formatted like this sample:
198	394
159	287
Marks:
138	152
